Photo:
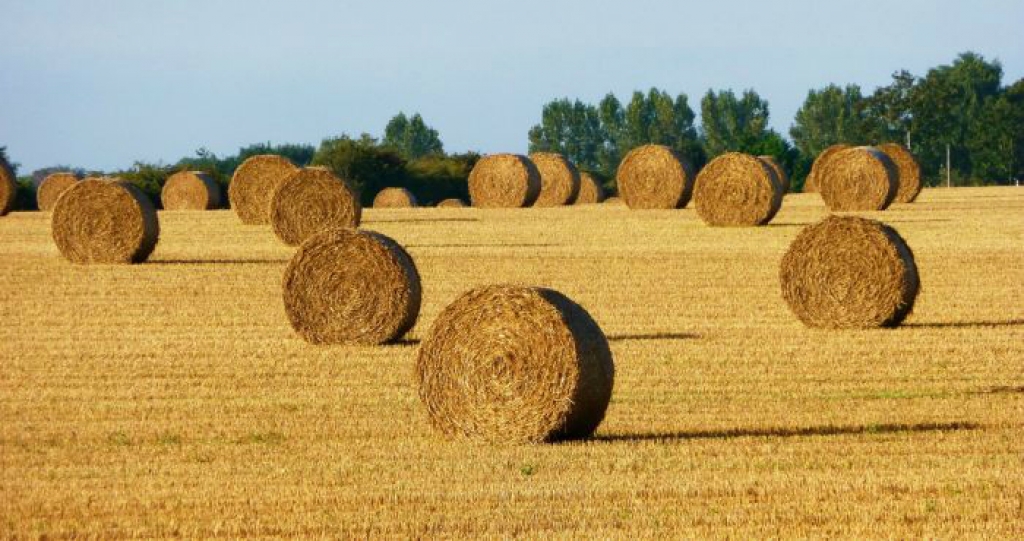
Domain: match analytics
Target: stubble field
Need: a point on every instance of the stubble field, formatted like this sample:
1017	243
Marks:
173	398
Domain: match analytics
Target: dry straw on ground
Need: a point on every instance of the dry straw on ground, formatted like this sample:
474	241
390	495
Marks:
51	188
105	221
849	272
655	177
253	185
737	189
190	190
559	179
8	188
504	181
909	172
451	203
509	364
311	200
590	190
821	163
858	179
780	173
345	286
394	198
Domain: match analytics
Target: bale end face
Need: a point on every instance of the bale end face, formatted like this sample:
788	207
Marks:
103	221
736	189
51	188
8	188
451	203
655	177
858	179
394	198
253	186
504	181
811	184
190	190
311	200
848	272
590	192
559	179
345	286
510	364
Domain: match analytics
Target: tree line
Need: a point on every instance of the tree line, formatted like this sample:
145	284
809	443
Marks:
960	111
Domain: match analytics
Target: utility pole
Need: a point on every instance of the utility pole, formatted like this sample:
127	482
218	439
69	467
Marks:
908	140
948	183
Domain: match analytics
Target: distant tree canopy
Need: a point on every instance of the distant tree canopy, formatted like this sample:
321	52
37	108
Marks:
411	137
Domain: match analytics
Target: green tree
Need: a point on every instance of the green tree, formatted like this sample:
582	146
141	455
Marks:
411	137
888	111
827	117
730	124
572	129
995	139
367	166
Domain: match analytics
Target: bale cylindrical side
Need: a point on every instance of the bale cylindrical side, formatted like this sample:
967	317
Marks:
821	163
311	200
510	364
253	185
849	272
857	179
737	189
780	173
559	179
655	177
345	286
51	188
909	172
590	190
394	198
190	190
451	203
8	188
504	181
105	221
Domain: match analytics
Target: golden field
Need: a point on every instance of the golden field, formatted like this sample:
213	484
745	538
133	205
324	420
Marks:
172	398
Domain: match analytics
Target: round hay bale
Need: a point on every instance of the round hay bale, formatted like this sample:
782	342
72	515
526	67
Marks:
451	203
559	179
190	190
737	189
105	221
780	173
849	272
346	286
394	198
614	201
590	190
311	200
51	188
909	172
504	181
253	185
821	163
655	177
861	178
509	364
8	188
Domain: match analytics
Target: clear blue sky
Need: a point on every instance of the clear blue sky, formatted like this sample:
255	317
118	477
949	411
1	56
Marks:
101	83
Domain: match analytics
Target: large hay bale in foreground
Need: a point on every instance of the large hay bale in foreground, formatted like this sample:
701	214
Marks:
190	190
311	200
857	179
559	179
509	364
849	272
345	286
819	165
105	221
51	188
737	189
8	188
504	181
655	177
780	173
590	190
909	172
394	198
253	185
451	203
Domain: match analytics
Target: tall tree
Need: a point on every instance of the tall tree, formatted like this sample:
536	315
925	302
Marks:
995	139
827	117
888	111
729	123
411	137
572	129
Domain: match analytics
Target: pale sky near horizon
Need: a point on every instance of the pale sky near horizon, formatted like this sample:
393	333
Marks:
101	83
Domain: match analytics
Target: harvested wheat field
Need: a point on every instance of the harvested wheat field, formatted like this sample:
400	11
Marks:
173	398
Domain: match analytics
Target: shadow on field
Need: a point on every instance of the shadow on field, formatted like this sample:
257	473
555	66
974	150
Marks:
218	262
421	220
791	432
787	224
497	245
654	336
1001	389
967	324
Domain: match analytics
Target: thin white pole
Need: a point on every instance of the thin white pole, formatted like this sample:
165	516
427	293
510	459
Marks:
948	183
